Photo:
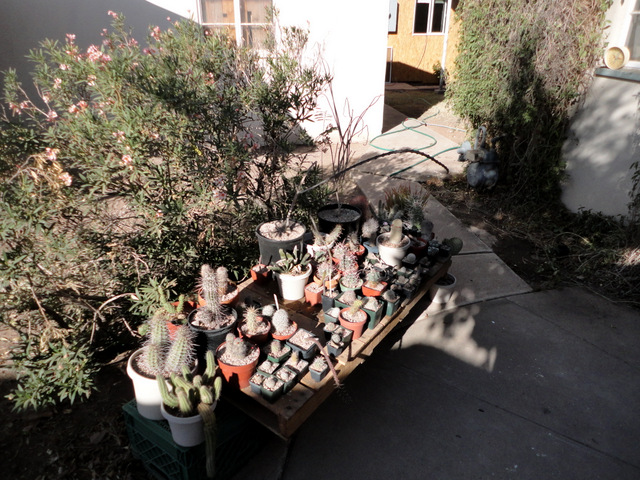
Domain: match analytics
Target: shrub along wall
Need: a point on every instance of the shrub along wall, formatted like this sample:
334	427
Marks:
521	69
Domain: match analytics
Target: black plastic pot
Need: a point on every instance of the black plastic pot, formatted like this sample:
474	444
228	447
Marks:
211	339
270	249
326	222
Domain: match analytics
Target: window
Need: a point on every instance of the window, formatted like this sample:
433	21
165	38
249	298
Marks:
246	20
429	16
633	36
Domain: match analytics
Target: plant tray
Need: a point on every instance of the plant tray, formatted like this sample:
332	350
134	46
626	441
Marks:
239	437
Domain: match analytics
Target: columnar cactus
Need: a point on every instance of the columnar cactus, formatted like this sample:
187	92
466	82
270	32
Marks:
396	235
354	309
252	320
369	228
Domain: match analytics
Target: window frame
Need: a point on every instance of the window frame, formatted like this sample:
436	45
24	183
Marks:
432	9
634	13
237	25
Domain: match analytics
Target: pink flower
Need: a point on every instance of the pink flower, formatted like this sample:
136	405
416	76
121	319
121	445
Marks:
105	58
15	108
51	115
74	109
64	66
112	13
46	97
91	80
155	33
127	161
82	104
71	37
57	82
94	53
52	154
65	178
119	135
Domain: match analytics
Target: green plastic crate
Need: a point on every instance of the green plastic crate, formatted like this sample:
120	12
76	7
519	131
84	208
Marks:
239	437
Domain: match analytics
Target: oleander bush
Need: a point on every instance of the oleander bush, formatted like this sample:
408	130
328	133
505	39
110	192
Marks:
137	164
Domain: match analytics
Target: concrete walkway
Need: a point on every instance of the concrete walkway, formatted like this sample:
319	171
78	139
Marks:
501	382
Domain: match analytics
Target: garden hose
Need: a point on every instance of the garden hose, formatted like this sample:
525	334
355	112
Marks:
404	128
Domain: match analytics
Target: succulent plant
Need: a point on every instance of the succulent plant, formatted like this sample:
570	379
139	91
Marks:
236	350
348	297
373	277
291	263
455	244
319	363
254	323
268	310
389	296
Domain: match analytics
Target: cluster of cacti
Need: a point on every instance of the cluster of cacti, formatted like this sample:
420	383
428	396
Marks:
191	394
373	277
210	314
292	263
321	239
280	321
326	270
353	242
340	250
236	350
163	354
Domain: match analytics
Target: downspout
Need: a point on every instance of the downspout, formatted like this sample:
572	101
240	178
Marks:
444	48
238	21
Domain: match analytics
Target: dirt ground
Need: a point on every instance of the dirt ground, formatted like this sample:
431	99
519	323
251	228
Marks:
89	440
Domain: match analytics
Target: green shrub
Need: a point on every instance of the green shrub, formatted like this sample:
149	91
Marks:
521	69
137	164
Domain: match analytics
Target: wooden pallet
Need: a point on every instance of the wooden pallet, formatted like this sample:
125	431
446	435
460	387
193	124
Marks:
287	414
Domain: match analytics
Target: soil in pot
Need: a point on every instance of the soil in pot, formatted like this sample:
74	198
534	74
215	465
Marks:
346	215
210	334
277	234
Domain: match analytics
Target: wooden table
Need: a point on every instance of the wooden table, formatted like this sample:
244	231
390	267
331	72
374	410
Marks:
284	416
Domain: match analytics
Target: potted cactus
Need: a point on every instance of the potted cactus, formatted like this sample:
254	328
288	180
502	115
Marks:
318	368
189	407
292	273
254	326
303	341
272	388
278	351
282	327
354	318
260	273
297	364
238	359
393	302
374	310
326	274
350	279
288	377
162	354
213	320
227	291
322	242
393	246
369	230
373	285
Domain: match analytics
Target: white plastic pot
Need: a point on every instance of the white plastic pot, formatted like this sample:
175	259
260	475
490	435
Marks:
148	398
392	255
292	286
442	291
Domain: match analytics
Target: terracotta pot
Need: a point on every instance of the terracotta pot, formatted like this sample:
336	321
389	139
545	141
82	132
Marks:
284	337
355	327
258	339
260	274
236	375
313	294
373	292
231	300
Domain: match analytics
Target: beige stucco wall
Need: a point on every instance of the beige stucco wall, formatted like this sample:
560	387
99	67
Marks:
604	139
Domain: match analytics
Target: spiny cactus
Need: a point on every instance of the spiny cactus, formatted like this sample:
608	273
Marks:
268	310
369	228
455	244
373	277
237	350
372	304
280	320
396	235
354	309
253	321
348	297
222	280
390	296
163	354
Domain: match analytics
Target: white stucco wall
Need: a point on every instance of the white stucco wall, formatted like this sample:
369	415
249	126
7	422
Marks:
603	139
352	36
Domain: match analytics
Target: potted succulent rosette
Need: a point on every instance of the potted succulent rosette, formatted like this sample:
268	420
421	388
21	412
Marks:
238	359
